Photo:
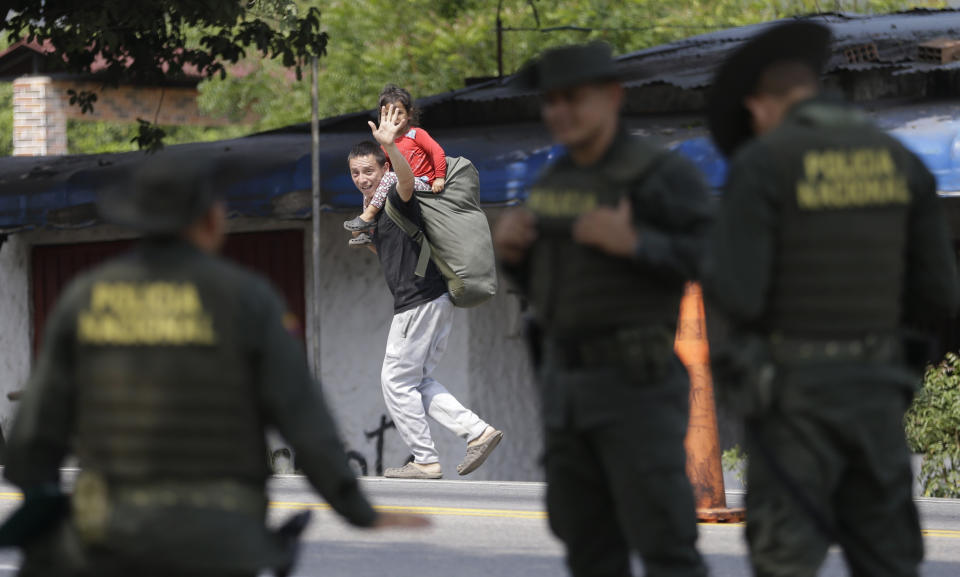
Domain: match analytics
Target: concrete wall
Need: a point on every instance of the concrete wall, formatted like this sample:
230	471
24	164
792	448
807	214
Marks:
484	367
15	326
502	387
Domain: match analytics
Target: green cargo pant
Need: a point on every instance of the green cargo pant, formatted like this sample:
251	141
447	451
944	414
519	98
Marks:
844	446
616	479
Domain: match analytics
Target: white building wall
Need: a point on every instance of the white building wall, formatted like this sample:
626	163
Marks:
484	366
15	326
502	386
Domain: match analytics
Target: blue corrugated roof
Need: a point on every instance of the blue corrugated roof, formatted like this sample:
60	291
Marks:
937	142
932	133
262	175
265	170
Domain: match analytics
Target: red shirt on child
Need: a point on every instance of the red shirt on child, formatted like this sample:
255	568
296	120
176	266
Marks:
425	156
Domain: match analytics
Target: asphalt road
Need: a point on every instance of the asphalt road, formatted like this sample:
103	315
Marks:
489	529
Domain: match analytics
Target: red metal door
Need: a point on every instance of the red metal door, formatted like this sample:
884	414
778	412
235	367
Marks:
277	255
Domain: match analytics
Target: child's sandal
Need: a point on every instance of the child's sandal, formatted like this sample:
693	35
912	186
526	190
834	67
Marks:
359	225
361	239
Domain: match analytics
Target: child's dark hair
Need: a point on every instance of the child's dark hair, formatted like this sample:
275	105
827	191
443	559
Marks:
392	94
367	148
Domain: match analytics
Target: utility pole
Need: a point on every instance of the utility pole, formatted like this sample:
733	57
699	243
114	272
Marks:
501	29
315	214
499	41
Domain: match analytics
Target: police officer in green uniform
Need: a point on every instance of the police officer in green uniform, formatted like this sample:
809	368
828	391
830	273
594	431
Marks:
609	235
829	241
161	370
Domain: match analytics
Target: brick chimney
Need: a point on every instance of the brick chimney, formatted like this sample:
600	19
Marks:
39	117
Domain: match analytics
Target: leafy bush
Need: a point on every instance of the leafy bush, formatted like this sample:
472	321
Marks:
734	460
933	428
85	137
6	119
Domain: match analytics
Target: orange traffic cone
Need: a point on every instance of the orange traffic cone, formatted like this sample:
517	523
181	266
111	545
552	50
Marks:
702	442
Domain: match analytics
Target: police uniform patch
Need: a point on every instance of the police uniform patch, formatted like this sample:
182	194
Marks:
839	179
561	203
145	314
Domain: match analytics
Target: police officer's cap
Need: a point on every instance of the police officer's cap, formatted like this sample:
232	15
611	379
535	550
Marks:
566	67
796	41
161	195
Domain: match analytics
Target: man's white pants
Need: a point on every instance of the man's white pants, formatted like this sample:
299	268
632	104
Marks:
417	341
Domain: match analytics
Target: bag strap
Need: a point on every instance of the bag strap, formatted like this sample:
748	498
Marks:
414	232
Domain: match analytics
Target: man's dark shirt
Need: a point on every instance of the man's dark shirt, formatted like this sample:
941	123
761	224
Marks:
399	254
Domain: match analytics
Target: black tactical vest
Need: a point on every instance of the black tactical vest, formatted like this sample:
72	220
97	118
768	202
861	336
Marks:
164	383
844	197
577	289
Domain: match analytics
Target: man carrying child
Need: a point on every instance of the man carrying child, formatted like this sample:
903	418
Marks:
425	157
423	318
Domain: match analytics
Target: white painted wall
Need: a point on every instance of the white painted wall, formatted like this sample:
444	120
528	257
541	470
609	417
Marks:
484	367
15	326
502	386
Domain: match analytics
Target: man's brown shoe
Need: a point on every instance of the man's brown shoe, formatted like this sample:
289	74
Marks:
414	471
478	453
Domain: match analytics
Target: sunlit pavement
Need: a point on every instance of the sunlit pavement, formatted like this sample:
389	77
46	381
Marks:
490	529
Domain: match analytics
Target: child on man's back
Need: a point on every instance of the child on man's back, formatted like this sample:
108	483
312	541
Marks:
425	156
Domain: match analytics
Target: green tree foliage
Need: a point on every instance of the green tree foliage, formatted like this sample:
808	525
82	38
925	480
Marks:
432	46
428	46
84	137
933	428
149	41
734	460
6	119
6	110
